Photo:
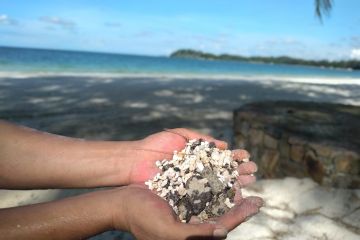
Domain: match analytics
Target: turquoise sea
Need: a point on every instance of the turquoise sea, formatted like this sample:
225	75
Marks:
36	61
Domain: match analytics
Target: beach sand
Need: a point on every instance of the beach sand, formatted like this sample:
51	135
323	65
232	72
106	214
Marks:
120	108
131	108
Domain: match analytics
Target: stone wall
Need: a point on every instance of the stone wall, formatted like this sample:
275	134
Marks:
302	139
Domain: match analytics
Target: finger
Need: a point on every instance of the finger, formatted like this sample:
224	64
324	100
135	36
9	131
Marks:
198	231
240	213
194	220
247	168
258	201
245	180
221	144
238	194
190	134
241	155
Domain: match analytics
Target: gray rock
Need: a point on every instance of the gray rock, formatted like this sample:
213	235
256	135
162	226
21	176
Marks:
214	182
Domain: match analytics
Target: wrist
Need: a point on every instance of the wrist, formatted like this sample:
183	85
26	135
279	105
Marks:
107	208
76	217
110	162
97	206
126	157
115	210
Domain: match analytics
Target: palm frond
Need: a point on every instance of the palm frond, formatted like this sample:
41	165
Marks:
323	7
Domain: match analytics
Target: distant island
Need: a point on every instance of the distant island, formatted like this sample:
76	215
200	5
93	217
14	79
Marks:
189	53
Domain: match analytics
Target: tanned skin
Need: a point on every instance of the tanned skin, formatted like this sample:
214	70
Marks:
30	159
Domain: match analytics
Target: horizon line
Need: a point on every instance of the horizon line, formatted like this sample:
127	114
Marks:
168	55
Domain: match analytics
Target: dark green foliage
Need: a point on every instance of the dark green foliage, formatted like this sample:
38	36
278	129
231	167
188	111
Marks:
323	7
188	53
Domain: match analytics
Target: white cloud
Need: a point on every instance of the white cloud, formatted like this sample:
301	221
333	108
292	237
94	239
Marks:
68	24
355	53
5	20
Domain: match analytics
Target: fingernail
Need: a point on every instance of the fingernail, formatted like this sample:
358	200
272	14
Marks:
220	232
260	203
257	201
225	144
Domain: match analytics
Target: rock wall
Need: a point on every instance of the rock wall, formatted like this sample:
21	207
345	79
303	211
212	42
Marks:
298	139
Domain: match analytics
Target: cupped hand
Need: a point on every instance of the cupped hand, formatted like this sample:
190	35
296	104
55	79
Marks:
151	217
147	216
161	146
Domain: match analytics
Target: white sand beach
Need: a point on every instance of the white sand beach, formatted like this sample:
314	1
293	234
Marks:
126	108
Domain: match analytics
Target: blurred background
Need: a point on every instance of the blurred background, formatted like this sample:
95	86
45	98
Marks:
278	78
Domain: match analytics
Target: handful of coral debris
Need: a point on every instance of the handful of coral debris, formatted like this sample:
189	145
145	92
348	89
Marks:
198	181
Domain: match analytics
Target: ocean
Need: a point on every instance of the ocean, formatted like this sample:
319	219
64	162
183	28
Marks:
28	62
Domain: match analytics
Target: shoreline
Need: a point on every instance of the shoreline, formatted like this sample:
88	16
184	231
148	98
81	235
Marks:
175	76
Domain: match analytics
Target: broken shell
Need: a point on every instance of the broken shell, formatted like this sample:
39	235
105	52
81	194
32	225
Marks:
163	184
192	162
228	203
199	167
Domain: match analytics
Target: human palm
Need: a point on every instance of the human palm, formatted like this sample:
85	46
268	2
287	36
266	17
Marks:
150	217
145	206
161	146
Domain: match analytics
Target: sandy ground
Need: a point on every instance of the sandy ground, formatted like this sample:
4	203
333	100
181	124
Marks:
131	108
301	209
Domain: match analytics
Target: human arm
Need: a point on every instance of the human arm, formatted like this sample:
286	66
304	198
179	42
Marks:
71	218
33	159
134	209
87	215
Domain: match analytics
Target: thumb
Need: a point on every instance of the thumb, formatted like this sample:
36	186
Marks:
240	213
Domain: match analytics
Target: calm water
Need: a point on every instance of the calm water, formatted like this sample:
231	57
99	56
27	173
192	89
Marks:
20	60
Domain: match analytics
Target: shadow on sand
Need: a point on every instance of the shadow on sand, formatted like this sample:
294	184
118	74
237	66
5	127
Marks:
132	108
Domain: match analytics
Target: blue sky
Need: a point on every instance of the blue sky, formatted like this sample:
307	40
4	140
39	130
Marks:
158	27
